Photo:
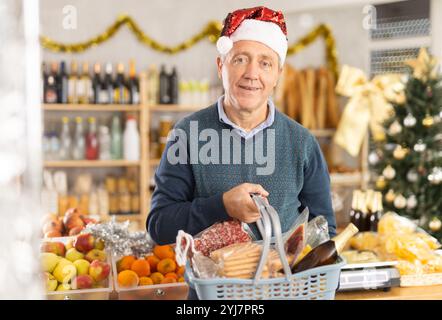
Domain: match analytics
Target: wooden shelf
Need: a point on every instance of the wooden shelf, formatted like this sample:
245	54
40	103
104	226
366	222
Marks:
130	217
154	162
90	163
345	179
91	107
173	108
323	133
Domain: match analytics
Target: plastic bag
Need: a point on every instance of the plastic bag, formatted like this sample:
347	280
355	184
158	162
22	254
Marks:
317	231
295	238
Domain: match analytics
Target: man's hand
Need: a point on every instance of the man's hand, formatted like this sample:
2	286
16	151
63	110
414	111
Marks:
240	205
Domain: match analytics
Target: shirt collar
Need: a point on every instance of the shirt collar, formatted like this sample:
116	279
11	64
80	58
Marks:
246	135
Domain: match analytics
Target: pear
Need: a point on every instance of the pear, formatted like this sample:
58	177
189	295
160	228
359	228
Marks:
49	261
65	271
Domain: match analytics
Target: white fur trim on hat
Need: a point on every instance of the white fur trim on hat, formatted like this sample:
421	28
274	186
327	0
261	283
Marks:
268	33
224	44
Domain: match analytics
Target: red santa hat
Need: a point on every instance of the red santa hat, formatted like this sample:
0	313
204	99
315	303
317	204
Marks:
259	24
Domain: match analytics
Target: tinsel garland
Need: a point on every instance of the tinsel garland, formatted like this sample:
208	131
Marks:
120	240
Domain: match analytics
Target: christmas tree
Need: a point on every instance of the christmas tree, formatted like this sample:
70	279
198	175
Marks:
407	160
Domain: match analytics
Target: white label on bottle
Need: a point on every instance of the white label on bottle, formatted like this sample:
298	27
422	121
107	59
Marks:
80	88
72	90
103	96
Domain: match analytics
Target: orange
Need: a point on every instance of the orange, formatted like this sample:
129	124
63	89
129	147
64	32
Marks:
180	270
125	263
145	281
156	277
127	279
181	279
171	275
168	280
164	252
141	267
166	266
153	261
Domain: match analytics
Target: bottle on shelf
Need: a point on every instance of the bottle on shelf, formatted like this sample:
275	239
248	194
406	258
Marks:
164	86
166	125
103	201
131	140
369	197
72	83
92	140
354	214
153	85
111	188
116	139
133	84
79	148
364	212
51	88
97	84
107	95
44	80
104	141
84	85
124	197
134	197
63	84
65	141
327	252
173	86
377	211
120	90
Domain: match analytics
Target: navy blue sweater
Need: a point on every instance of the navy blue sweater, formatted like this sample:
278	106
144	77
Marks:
188	195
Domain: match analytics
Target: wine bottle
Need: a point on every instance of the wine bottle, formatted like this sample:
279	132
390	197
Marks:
44	81
327	252
84	85
358	213
369	209
173	86
78	150
65	140
354	207
72	83
164	86
97	83
120	87
377	211
133	84
364	212
92	141
63	84
108	87
51	91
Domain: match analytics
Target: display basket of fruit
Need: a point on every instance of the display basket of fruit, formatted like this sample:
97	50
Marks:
315	283
76	268
155	276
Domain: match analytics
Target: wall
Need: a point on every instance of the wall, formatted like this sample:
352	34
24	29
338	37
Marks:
171	22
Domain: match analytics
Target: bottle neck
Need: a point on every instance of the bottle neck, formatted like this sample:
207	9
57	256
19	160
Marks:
341	239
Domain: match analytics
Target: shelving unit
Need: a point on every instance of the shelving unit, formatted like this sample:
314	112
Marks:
90	163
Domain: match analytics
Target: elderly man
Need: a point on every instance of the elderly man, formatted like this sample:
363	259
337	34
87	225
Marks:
240	145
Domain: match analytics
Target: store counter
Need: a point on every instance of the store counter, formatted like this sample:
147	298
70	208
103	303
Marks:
408	293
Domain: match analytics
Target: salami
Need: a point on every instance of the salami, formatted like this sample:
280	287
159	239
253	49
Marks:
220	235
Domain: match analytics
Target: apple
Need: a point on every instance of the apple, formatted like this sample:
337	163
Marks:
87	220
73	254
53	234
48	217
49	261
51	282
99	244
52	226
69	244
84	281
72	219
96	254
64	287
75	231
65	271
82	266
99	270
84	242
55	247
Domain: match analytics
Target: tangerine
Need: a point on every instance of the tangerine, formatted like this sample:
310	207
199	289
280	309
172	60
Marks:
141	267
145	281
125	263
128	279
166	265
157	277
164	252
153	261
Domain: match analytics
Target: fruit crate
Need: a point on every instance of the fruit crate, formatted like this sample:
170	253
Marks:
82	294
170	291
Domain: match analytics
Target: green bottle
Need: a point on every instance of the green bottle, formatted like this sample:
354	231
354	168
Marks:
116	143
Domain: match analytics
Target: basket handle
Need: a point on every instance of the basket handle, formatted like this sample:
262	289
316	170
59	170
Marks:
270	221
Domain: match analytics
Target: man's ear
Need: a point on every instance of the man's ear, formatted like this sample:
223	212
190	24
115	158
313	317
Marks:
219	64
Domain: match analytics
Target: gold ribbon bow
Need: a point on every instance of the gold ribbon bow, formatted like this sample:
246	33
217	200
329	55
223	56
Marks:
369	105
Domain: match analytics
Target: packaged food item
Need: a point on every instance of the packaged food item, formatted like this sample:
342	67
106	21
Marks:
295	238
220	235
354	256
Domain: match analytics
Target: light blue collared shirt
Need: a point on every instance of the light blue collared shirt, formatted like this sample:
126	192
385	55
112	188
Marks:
240	131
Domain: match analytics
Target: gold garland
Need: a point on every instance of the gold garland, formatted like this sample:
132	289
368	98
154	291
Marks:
211	31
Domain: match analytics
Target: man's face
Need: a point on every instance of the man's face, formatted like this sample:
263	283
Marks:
249	74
